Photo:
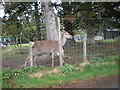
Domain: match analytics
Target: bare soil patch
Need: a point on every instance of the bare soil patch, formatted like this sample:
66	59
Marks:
106	82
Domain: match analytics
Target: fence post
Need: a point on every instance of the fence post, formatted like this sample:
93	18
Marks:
30	53
59	39
84	48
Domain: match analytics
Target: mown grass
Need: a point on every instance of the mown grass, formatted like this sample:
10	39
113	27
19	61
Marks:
77	73
109	40
8	53
11	47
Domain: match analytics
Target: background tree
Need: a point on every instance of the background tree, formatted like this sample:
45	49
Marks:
88	10
50	21
25	12
30	15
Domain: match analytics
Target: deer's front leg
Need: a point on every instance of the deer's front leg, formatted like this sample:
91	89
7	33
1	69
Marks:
52	59
63	55
34	60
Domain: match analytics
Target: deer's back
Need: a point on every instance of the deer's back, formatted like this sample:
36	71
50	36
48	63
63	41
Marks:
46	46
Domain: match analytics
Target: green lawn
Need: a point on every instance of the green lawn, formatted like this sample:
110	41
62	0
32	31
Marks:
11	47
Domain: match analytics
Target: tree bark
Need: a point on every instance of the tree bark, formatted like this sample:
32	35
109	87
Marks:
50	21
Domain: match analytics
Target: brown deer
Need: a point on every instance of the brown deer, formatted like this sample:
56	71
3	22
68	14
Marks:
48	47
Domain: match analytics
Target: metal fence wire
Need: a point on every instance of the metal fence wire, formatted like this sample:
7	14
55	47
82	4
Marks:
102	37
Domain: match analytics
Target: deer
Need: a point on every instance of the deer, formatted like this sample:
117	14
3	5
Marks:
48	47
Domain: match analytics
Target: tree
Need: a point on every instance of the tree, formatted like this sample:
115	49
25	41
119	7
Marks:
108	9
24	12
81	11
88	10
50	21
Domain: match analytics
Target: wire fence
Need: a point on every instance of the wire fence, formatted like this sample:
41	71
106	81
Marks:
102	37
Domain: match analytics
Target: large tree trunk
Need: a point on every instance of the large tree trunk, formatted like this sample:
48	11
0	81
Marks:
50	21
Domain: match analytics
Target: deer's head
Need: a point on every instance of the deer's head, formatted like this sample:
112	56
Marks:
67	35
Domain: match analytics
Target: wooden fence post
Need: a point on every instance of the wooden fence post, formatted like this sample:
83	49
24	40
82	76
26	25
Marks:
84	48
59	39
30	53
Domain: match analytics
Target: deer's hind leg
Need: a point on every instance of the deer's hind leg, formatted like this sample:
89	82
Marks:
26	61
52	59
63	55
34	61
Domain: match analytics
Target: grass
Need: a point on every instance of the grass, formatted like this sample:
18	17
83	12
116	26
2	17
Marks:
81	73
109	40
8	53
99	67
11	47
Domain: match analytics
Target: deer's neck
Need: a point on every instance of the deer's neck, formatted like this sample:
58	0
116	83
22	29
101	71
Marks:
63	40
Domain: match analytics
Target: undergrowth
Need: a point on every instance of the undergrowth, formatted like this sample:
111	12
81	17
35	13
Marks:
19	78
104	59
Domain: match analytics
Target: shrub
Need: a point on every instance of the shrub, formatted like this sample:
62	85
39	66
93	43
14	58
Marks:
112	58
96	59
9	74
41	67
17	72
77	64
65	69
107	58
29	69
6	74
33	69
25	69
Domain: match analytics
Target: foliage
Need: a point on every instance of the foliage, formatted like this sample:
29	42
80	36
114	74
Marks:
112	58
82	73
19	77
17	72
41	67
109	41
91	9
95	59
65	69
25	69
21	21
107	58
77	64
79	38
8	74
33	69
